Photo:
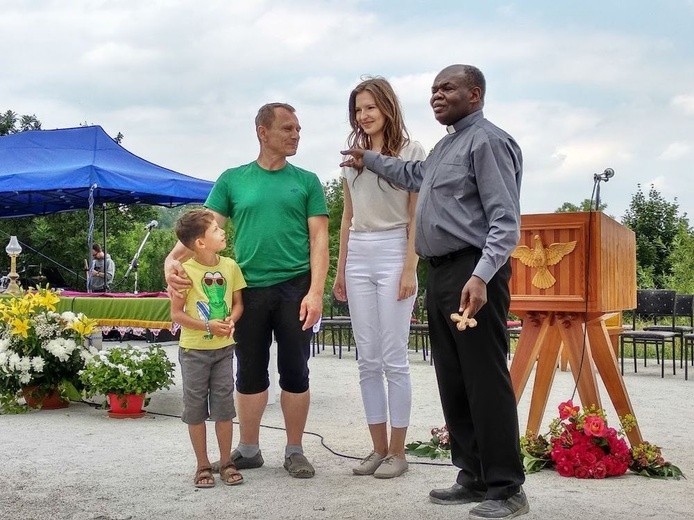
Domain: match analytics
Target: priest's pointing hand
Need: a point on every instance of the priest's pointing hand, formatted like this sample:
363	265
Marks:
355	161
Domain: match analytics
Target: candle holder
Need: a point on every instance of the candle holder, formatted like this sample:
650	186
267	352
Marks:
13	249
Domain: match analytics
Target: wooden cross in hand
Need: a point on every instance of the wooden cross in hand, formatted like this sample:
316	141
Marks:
462	322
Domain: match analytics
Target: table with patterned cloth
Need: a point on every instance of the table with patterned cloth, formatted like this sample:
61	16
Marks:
124	312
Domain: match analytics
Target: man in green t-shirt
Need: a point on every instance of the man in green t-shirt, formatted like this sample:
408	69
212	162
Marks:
280	217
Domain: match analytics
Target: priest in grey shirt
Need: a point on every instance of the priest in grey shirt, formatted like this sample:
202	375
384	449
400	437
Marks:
468	223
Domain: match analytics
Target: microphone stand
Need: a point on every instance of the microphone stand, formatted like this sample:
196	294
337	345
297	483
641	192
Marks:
133	263
597	178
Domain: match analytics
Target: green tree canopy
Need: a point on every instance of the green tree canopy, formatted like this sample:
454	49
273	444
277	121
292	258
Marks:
59	241
334	198
12	123
656	222
569	207
682	258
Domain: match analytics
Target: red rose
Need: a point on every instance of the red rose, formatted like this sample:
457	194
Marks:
610	433
618	446
560	455
615	466
610	465
571	427
577	450
582	472
565	469
581	439
599	470
567	409
588	458
594	425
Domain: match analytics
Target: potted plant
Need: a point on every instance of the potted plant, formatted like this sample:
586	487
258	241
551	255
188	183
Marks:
126	374
41	352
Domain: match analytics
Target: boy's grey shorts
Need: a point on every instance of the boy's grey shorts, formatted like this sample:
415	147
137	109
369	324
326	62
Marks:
208	384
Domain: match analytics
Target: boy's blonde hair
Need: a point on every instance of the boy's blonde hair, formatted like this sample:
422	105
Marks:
193	225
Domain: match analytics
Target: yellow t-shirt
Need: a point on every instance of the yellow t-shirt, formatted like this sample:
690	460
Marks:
210	298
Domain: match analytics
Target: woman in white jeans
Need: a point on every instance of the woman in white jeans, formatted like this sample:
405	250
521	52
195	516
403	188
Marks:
377	274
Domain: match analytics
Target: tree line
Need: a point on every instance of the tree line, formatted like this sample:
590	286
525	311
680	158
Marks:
664	238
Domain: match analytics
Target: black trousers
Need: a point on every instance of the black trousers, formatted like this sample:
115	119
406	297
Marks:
267	310
473	378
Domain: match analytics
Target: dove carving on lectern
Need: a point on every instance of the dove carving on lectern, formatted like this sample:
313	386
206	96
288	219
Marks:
539	257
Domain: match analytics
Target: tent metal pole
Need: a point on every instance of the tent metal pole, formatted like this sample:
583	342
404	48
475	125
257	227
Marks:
103	206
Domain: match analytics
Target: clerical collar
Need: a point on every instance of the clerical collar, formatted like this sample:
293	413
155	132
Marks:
465	122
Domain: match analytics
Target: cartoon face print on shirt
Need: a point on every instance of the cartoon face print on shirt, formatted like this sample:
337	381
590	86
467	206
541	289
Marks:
214	285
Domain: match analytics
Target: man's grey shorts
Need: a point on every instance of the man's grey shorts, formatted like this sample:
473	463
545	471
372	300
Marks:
208	384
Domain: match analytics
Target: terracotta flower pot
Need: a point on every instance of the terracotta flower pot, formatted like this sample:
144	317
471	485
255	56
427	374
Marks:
36	397
126	406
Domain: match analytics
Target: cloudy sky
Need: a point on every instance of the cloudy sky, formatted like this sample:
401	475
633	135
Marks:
582	86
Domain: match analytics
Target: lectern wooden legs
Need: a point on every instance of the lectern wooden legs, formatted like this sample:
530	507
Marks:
541	340
606	363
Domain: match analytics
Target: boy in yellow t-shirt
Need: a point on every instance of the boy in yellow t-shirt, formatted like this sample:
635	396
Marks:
207	317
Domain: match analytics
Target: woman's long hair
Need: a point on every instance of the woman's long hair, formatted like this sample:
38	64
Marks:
395	135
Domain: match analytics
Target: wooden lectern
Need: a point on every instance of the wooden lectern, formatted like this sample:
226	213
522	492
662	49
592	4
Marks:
571	272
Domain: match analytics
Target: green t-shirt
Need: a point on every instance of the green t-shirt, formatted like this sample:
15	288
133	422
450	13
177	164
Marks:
270	211
210	298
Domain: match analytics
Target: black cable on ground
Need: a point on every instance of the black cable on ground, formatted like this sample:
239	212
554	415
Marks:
279	428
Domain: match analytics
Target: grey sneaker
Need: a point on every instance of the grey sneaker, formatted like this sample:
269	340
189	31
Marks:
368	465
512	507
391	467
242	462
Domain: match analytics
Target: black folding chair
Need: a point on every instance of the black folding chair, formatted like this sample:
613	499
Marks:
651	304
339	325
684	308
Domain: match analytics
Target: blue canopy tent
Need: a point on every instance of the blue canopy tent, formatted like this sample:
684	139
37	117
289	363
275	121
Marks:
51	171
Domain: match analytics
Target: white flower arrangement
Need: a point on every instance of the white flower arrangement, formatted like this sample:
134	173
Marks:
40	347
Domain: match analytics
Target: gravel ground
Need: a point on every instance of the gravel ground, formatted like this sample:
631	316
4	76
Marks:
78	464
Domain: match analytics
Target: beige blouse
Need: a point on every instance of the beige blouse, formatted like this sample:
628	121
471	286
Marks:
376	205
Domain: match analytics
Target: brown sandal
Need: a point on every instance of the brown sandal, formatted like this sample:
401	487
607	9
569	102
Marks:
230	475
202	474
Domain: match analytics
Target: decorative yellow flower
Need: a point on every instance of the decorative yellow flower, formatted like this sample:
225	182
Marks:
83	326
20	327
21	307
47	350
46	298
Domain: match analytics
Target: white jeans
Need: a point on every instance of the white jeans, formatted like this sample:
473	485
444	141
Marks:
381	323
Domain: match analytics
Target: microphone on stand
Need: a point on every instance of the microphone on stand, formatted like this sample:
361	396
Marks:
597	177
133	263
604	176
